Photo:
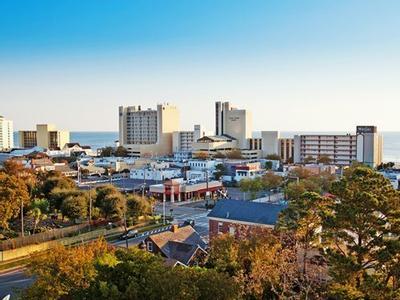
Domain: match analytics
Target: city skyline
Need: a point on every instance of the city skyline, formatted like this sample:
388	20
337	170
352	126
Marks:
293	65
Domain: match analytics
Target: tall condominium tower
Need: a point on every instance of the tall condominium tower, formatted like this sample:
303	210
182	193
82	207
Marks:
148	132
6	134
233	122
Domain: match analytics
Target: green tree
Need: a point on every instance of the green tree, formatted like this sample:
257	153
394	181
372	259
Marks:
303	219
110	201
271	181
121	152
324	159
251	185
273	157
13	192
138	206
37	216
268	165
75	207
220	170
309	159
362	236
107	152
234	154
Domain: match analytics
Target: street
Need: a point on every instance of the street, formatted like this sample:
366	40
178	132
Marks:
12	280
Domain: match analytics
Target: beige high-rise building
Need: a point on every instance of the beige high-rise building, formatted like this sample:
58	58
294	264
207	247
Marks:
6	134
233	122
46	136
148	132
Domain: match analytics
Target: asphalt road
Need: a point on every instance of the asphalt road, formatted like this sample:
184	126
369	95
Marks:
13	280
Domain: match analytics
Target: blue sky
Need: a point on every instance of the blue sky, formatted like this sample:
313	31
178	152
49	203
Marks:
297	65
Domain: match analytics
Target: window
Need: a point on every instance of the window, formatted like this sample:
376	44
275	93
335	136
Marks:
150	246
231	230
220	224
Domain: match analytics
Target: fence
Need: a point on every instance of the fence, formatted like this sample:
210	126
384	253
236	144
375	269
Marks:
43	237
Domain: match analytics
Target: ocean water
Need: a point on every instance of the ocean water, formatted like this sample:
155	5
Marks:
391	140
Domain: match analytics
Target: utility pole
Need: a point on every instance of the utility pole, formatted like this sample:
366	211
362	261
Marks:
144	180
126	229
164	212
90	206
22	217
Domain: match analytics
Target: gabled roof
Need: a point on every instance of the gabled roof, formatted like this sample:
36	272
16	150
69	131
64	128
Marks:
184	234
180	245
247	211
181	252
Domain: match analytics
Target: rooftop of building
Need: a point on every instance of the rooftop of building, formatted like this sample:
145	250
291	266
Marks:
247	211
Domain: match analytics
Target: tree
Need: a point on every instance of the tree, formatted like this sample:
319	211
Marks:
303	219
75	207
13	193
234	154
324	159
53	180
110	201
273	157
220	170
201	155
262	264
37	216
121	152
251	185
362	235
309	159
107	152
219	155
138	206
271	181
268	165
65	272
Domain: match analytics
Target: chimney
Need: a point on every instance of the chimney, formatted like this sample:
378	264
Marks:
174	228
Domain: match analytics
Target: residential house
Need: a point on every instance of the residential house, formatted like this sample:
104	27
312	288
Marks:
180	245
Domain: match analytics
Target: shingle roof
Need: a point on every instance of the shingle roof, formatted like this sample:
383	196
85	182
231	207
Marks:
184	234
180	245
247	211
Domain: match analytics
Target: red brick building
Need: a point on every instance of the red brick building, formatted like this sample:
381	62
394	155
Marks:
232	216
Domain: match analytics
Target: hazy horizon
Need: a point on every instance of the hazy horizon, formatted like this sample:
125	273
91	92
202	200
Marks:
306	65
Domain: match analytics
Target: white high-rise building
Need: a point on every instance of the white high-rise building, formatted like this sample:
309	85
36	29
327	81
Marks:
6	134
148	132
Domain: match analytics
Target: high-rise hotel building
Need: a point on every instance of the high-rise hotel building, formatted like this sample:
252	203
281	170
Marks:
365	146
236	123
148	132
6	134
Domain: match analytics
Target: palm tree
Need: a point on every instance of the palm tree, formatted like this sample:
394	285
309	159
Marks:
37	216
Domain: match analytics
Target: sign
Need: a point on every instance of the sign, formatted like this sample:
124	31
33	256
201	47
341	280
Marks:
366	129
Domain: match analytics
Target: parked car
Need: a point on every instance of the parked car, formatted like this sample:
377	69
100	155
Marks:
130	234
189	222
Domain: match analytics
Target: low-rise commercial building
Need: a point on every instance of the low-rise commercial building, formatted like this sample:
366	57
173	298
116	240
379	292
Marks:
180	190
